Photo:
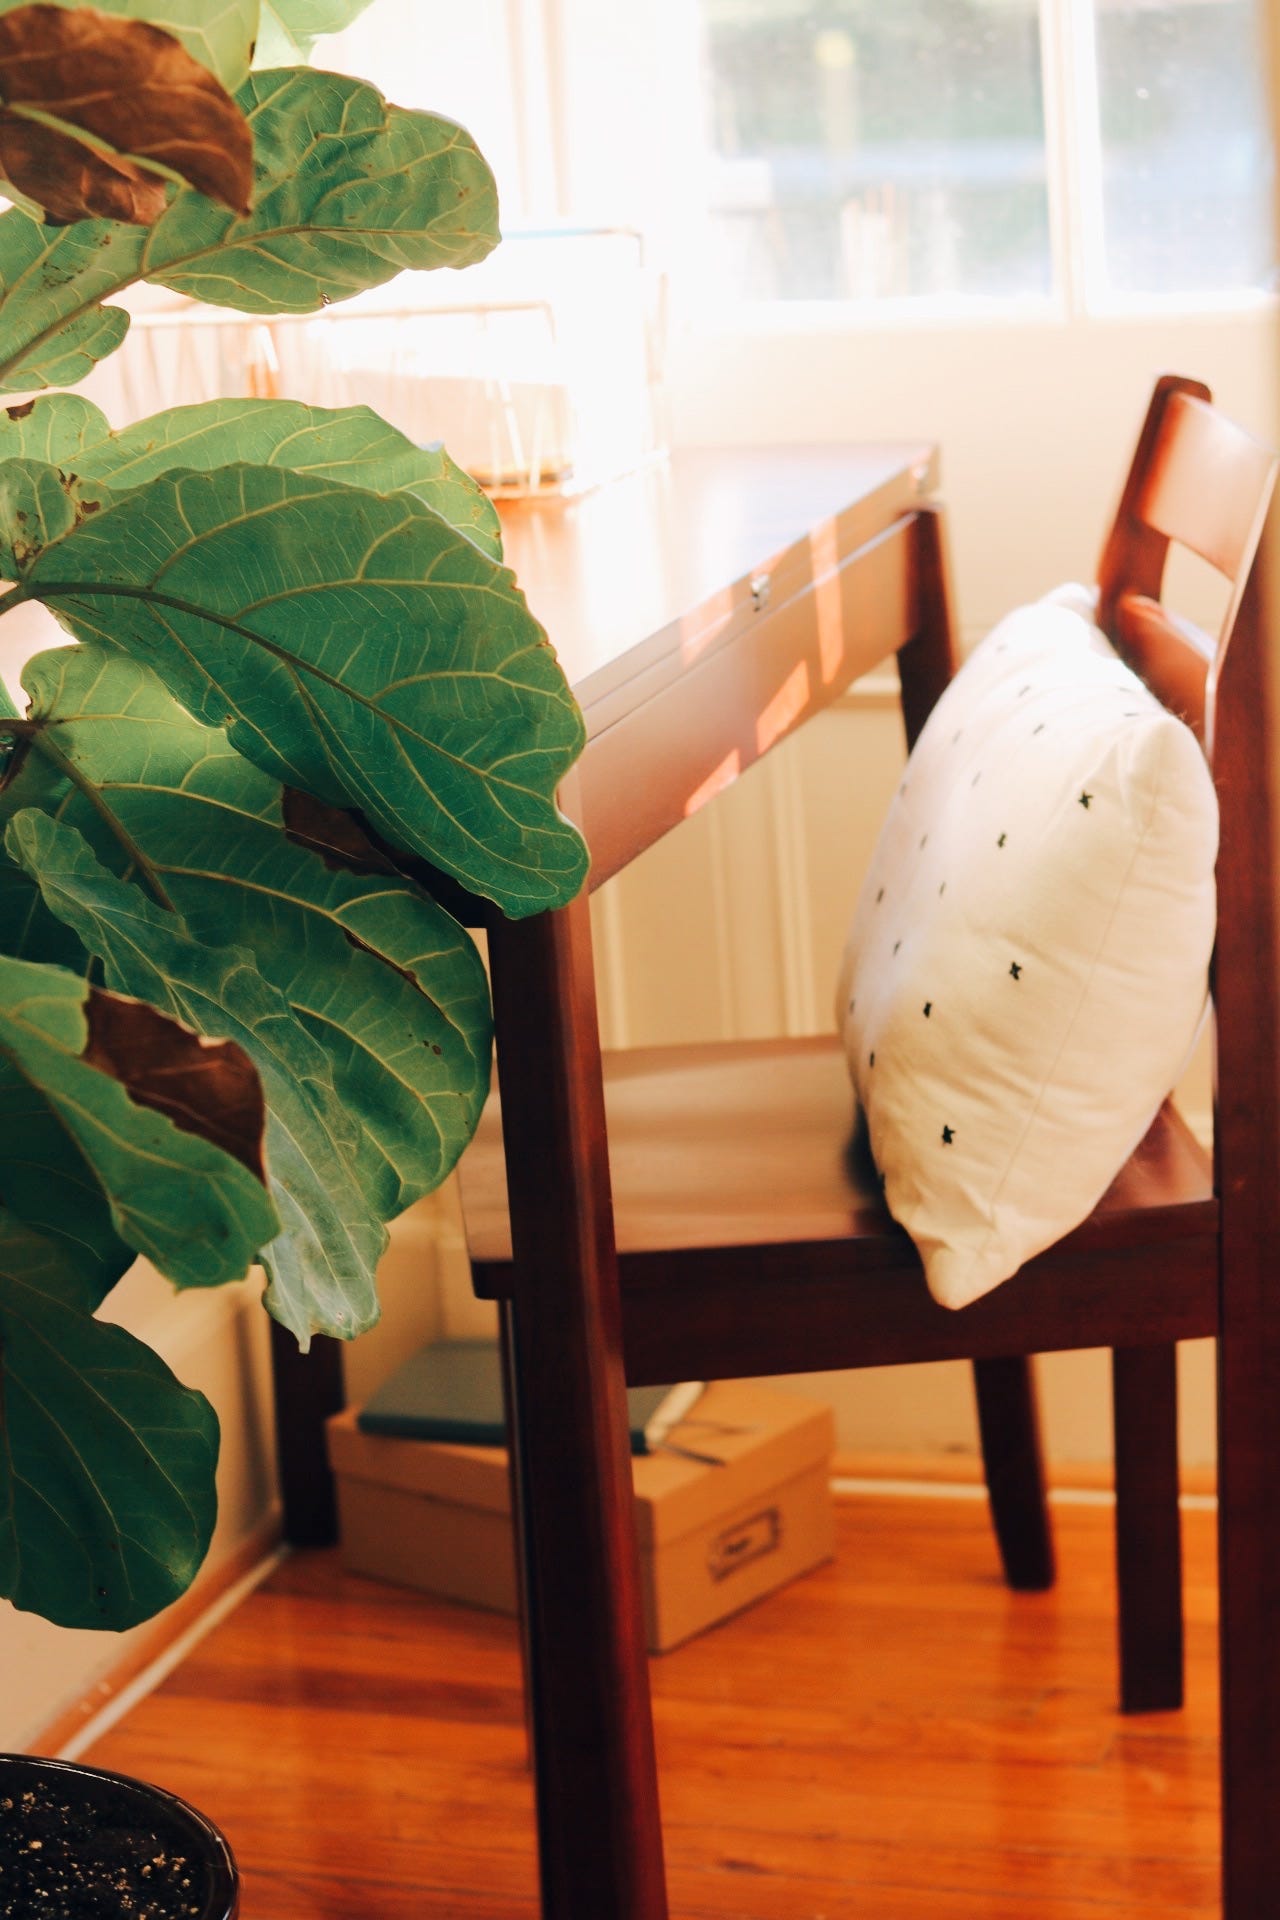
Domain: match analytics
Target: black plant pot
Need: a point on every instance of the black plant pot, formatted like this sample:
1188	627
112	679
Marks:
82	1844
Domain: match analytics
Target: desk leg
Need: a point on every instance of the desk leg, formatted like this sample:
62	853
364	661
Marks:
506	1336
1008	1419
308	1388
928	661
600	1841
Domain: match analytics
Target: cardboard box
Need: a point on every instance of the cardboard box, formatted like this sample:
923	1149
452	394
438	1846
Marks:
712	1538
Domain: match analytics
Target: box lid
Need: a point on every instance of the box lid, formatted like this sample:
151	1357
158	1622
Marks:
758	1434
452	1390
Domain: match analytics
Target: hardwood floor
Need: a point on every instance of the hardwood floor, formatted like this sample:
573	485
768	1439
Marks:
893	1737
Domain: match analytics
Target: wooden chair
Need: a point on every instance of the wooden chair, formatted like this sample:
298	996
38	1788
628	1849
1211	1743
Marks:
717	1274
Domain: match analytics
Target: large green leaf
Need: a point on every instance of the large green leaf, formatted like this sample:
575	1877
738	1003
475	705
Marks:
75	1136
377	973
107	1497
290	28
349	191
351	444
37	506
53	327
220	34
354	646
44	1177
52	428
28	931
321	1266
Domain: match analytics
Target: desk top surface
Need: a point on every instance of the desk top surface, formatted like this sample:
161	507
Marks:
665	558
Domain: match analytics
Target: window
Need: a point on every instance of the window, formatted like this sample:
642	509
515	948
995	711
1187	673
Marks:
863	150
1185	153
803	162
998	148
1010	151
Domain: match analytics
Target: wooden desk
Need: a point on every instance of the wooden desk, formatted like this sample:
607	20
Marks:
703	610
706	607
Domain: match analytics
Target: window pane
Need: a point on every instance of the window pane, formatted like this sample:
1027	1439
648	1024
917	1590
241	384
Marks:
1186	153
871	148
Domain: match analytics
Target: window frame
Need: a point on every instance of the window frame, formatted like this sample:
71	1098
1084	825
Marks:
1079	289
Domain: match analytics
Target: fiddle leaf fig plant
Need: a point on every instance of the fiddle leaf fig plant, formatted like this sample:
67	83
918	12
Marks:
347	191
302	693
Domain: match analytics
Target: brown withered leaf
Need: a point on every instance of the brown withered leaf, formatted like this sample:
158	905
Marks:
206	1087
340	839
70	181
99	112
346	840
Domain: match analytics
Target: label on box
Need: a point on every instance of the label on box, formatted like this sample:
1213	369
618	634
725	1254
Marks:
749	1540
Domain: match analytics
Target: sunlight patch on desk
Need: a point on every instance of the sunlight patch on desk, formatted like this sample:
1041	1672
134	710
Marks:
785	708
717	780
824	545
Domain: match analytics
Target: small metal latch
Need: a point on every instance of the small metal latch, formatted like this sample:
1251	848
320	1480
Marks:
759	591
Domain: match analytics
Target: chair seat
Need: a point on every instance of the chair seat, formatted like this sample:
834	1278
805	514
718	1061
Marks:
734	1175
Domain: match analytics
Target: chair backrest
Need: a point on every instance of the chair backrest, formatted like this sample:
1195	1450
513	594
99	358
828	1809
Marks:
1199	481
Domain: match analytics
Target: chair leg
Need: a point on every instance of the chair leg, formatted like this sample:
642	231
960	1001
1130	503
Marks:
1009	1426
1144	1386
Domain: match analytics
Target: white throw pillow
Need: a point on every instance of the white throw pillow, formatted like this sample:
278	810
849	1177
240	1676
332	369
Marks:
1027	966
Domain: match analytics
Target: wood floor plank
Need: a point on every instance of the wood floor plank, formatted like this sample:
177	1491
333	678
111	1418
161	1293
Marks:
894	1737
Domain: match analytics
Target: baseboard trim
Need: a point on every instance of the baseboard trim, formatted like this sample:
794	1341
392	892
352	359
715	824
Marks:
66	1733
965	1469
